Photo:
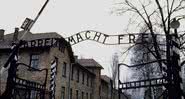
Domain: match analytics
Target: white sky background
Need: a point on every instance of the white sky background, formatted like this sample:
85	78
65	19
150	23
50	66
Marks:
68	17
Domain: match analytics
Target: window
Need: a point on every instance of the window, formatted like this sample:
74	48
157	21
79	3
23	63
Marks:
91	82
99	90
34	60
76	94
71	93
87	80
72	70
87	96
91	96
82	95
64	70
83	77
63	93
78	75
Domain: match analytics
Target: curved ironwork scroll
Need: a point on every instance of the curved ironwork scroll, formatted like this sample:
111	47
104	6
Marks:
27	89
130	38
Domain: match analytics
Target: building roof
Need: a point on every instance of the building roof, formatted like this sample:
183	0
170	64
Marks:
83	68
89	63
8	39
106	78
32	36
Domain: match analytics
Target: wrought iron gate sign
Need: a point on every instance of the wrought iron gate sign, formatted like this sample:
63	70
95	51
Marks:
88	35
94	36
46	42
107	39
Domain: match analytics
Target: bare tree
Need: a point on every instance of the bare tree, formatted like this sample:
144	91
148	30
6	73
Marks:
141	54
156	15
114	73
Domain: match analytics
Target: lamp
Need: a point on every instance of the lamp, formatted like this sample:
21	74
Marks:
174	24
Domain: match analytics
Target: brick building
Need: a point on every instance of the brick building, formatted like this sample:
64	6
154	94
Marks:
37	53
107	90
81	82
95	68
75	78
106	87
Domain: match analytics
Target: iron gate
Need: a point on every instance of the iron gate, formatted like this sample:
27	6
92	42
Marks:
19	87
25	89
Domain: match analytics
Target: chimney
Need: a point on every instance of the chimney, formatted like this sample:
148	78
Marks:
76	58
2	34
15	35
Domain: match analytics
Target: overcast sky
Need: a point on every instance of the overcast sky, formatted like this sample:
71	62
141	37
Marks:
68	17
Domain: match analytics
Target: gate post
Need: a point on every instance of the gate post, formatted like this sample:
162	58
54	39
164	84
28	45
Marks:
119	90
176	69
12	60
